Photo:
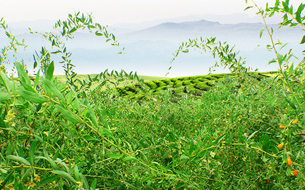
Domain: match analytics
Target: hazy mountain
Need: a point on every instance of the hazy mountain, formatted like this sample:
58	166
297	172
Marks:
222	19
149	51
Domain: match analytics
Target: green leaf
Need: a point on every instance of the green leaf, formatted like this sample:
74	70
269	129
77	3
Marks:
26	174
98	33
32	97
89	138
24	78
266	143
53	164
38	138
35	62
261	32
56	52
3	170
32	152
76	172
128	158
300	9
4	96
37	79
93	117
185	51
50	71
280	58
290	70
84	180
303	40
252	135
48	84
290	102
6	180
72	30
19	159
93	184
69	115
5	81
184	157
249	7
64	175
115	156
48	180
108	133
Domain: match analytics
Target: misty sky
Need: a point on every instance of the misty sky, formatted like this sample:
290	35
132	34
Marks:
118	11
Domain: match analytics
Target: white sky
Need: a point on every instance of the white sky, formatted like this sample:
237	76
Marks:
118	11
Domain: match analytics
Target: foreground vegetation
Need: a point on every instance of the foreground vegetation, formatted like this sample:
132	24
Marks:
241	132
226	138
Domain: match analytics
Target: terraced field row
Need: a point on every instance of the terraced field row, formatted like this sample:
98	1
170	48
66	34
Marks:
194	85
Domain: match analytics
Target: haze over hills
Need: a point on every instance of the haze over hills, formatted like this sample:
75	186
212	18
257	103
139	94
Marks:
222	19
149	50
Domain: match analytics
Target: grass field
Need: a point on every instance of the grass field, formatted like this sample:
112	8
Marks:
126	82
192	85
217	131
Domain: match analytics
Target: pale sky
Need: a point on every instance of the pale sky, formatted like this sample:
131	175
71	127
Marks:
118	11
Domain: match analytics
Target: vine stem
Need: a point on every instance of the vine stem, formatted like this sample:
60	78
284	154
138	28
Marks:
37	168
275	51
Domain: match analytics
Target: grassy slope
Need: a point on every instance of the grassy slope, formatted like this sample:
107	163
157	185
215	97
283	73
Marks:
194	85
62	78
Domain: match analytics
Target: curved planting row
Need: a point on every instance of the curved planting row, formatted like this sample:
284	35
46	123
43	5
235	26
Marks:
194	85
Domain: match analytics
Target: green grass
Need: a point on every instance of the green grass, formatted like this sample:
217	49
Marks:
126	82
209	132
194	85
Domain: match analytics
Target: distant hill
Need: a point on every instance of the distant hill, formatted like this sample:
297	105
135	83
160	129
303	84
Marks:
149	50
235	18
175	32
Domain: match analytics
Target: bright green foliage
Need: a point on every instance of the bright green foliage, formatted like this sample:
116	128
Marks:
195	85
204	132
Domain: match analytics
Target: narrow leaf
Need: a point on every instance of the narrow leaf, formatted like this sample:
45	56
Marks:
280	58
69	115
32	152
64	175
24	78
115	156
3	183
84	180
93	184
89	138
47	158
37	79
50	71
48	180
19	159
303	40
249	7
72	30
252	135
32	97
266	143
48	85
183	157
76	172
5	81
128	158
93	117
261	32
108	133
4	96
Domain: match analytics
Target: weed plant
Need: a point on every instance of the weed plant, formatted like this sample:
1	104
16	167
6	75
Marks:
245	132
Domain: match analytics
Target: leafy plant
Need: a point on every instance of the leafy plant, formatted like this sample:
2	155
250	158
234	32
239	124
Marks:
245	132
